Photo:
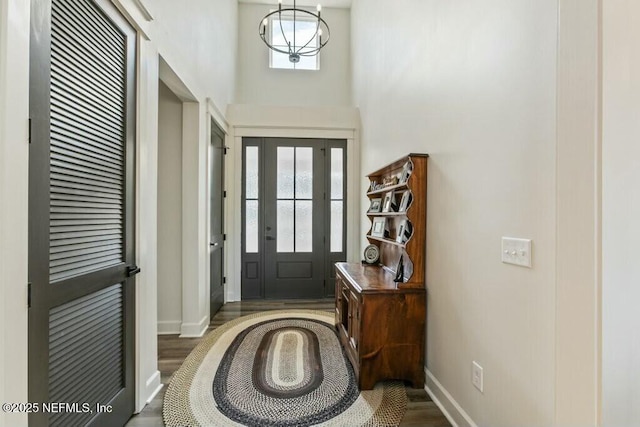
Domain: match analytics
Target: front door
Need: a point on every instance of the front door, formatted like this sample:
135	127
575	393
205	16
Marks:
81	207
216	239
293	216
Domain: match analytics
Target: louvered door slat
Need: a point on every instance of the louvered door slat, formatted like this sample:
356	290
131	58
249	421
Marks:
74	196
92	330
85	112
84	221
73	211
71	168
85	257
56	218
96	19
84	160
84	233
70	351
78	179
69	229
64	119
90	149
88	19
77	327
94	51
78	133
69	79
71	189
67	57
61	181
55	256
93	341
100	361
88	246
101	75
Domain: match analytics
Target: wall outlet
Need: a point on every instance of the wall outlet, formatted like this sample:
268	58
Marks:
477	378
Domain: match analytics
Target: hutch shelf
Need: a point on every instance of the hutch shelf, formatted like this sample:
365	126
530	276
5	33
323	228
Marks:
381	308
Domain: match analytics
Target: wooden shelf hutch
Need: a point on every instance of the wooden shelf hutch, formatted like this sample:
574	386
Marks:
381	322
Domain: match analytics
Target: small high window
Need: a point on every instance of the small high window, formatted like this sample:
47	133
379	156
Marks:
302	34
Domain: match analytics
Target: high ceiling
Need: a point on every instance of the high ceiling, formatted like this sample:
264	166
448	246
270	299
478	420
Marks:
345	4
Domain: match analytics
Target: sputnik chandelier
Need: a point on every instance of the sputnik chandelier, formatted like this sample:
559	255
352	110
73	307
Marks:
287	35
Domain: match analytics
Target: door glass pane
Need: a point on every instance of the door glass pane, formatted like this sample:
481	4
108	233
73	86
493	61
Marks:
251	168
336	173
304	226
336	226
251	224
285	173
284	237
304	173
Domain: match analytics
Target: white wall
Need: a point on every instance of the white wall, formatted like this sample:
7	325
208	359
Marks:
14	150
504	96
621	210
169	211
261	85
473	84
198	40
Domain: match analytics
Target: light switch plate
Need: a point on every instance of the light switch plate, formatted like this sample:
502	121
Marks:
516	251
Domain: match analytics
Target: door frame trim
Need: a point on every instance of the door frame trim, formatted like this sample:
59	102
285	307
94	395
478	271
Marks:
234	191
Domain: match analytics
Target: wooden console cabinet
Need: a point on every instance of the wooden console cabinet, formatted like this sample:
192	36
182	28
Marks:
381	322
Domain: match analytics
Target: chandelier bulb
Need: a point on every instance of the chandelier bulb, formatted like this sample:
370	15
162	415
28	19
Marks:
319	8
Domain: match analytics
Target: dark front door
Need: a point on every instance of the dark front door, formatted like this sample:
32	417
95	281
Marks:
81	211
216	240
294	216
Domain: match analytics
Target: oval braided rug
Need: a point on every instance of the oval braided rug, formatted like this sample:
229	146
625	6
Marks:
276	368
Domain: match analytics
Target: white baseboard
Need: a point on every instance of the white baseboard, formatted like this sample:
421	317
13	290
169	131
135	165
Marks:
155	384
447	404
152	386
169	327
194	330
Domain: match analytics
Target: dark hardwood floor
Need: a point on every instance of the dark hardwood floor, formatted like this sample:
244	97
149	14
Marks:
172	351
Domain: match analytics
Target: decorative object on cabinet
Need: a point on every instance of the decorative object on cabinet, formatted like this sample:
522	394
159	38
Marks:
371	254
389	180
379	227
405	201
406	172
375	206
399	272
389	204
404	231
380	322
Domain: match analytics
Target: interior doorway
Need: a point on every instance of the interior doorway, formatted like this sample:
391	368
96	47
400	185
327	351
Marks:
217	151
170	283
293	221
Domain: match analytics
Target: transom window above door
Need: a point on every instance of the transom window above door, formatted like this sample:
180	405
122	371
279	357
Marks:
302	34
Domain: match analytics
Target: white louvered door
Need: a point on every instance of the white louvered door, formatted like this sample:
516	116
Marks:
81	213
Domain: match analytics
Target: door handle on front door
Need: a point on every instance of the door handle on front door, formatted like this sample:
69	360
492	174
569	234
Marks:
214	244
270	238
